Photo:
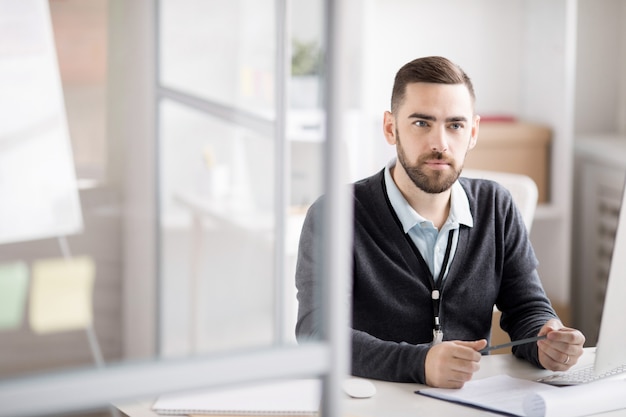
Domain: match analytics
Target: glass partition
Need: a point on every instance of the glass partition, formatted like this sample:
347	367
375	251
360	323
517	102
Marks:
217	233
182	275
222	52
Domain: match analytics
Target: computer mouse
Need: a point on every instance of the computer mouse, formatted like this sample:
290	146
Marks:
359	388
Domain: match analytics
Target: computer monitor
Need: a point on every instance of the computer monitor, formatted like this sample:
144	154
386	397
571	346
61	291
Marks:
611	345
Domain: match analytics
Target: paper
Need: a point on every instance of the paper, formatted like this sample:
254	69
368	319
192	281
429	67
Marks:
526	398
286	398
580	400
501	393
13	286
61	294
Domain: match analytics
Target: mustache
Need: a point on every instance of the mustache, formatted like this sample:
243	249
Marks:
435	155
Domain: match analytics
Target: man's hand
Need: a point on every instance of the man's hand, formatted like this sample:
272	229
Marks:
562	347
452	364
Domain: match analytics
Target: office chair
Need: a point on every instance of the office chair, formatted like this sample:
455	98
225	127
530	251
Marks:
523	190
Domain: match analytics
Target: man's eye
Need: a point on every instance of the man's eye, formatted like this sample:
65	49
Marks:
421	123
456	126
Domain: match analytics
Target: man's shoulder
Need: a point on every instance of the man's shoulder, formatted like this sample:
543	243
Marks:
362	189
370	181
370	190
478	188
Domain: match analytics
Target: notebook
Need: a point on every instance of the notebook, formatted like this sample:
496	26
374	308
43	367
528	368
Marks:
299	397
610	359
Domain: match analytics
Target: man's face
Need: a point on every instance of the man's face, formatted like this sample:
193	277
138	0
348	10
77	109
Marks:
433	129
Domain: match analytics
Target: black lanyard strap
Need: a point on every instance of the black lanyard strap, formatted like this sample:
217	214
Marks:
435	294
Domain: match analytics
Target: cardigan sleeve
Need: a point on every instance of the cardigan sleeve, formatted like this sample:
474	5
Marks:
309	315
371	357
524	304
386	360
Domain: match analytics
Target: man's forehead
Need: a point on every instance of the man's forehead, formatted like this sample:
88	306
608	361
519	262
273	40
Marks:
428	97
437	88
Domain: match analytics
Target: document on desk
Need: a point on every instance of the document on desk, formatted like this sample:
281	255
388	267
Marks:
299	397
524	398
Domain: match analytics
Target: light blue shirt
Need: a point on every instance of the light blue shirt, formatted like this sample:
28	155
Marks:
430	241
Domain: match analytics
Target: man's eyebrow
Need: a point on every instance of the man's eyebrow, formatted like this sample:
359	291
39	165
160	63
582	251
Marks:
424	116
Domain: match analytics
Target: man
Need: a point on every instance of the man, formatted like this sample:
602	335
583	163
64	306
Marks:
434	252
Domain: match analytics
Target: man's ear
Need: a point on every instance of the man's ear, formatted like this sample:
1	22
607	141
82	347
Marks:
474	137
389	128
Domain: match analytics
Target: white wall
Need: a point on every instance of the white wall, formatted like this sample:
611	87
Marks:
601	65
485	37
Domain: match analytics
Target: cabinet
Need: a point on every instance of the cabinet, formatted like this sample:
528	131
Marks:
515	147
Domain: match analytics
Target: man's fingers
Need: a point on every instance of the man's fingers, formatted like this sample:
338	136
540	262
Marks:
451	364
556	361
562	348
567	335
474	344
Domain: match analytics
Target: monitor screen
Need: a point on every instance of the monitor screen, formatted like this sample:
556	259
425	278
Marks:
611	346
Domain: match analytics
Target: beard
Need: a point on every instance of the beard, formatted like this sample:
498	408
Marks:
427	180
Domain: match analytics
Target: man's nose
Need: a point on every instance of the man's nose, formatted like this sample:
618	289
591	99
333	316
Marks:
438	141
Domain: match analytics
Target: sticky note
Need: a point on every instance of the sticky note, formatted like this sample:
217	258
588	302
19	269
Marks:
61	294
246	82
13	290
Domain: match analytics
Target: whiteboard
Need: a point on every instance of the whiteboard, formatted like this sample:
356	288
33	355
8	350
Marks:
38	188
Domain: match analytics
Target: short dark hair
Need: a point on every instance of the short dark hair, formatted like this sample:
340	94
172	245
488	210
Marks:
431	69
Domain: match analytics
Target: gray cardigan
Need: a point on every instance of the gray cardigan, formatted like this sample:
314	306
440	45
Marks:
392	314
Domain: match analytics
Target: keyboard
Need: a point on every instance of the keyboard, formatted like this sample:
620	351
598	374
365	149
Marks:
582	376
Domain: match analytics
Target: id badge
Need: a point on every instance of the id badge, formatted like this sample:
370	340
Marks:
437	336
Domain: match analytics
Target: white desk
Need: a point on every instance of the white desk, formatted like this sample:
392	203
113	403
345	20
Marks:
399	400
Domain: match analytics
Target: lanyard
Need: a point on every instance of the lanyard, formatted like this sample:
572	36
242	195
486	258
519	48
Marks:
435	294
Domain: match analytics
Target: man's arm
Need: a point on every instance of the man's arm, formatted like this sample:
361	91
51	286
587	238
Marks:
447	365
386	360
526	308
371	357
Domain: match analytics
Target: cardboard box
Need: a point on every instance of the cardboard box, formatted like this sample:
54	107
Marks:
516	147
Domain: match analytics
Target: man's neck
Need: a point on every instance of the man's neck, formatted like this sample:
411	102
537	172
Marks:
434	207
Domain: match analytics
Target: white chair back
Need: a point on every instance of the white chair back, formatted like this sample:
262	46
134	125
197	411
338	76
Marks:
522	188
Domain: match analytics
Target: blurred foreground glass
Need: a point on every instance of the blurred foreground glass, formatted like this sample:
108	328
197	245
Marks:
59	284
217	233
230	203
223	52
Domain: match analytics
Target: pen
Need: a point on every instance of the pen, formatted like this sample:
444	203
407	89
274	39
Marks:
517	342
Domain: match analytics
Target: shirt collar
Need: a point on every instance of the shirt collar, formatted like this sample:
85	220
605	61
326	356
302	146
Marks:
459	204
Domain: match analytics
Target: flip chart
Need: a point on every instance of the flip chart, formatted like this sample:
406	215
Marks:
38	188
